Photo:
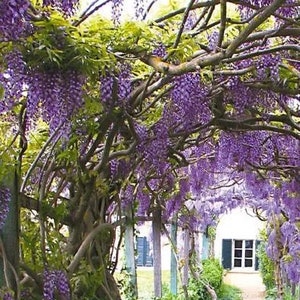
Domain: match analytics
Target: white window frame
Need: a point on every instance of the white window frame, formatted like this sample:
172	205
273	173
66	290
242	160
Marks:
243	257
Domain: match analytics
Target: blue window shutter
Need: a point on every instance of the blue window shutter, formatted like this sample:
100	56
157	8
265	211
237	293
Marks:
141	251
256	258
226	253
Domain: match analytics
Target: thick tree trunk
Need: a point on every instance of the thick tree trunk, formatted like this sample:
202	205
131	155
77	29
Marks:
95	249
278	272
109	290
9	266
278	280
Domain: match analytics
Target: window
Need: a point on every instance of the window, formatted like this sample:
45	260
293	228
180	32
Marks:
243	254
240	254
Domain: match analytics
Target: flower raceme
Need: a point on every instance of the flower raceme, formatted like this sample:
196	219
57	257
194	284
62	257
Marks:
55	95
55	280
13	19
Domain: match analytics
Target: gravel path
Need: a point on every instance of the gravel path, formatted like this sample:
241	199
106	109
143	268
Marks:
250	283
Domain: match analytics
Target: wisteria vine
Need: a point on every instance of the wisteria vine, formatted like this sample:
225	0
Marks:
183	125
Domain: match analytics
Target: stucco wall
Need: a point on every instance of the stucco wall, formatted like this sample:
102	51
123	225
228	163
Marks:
238	224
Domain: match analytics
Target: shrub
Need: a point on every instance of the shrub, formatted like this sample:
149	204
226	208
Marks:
212	275
266	265
229	292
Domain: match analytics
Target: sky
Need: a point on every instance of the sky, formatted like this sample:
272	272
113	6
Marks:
128	9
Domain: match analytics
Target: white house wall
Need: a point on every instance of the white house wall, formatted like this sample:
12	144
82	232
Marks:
237	224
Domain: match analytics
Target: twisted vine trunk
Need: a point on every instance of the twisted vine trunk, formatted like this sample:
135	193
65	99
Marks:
9	241
277	269
95	249
278	281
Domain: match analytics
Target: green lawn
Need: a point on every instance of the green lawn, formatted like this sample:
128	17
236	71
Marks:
146	285
145	282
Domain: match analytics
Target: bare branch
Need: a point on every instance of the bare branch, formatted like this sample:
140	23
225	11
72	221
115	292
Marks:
37	158
184	19
222	23
258	20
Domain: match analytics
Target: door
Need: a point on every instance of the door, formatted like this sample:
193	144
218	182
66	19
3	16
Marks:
243	254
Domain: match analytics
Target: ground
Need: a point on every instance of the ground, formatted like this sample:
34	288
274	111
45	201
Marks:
250	283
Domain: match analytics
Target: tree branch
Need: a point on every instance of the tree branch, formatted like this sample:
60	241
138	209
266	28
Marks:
222	24
253	24
37	158
184	19
86	243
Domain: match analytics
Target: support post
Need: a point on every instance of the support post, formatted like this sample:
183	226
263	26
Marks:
156	228
173	268
186	248
130	252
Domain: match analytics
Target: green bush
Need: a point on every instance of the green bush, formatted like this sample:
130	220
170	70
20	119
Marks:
266	265
229	292
266	268
212	275
288	295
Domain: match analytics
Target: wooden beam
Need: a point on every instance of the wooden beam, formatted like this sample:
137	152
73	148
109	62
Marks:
173	270
156	228
130	263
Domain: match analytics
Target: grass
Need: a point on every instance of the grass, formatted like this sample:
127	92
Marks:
229	292
272	294
145	282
